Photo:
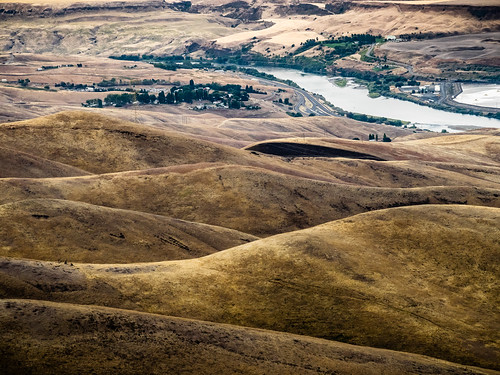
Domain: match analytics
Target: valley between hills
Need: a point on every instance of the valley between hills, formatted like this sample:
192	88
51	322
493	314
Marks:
169	210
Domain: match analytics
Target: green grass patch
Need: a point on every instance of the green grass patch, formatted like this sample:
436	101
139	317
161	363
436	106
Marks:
333	45
342	82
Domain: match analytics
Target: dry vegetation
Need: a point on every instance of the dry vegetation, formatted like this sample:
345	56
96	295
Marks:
20	103
428	56
131	343
243	190
90	215
419	279
59	230
237	241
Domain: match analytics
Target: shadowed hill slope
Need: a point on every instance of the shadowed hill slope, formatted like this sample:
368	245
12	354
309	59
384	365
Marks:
260	129
415	279
73	339
250	200
295	149
47	229
480	149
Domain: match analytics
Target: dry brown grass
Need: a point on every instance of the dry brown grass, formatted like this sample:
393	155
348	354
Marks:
100	144
481	149
383	18
428	56
233	188
419	279
115	31
56	230
248	199
19	164
74	339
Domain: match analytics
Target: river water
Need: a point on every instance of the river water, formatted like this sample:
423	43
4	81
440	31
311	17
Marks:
354	98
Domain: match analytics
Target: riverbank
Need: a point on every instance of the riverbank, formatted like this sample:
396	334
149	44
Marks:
354	98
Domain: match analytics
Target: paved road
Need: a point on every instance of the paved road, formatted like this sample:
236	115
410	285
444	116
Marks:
302	96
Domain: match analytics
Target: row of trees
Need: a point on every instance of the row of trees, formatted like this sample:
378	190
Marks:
385	138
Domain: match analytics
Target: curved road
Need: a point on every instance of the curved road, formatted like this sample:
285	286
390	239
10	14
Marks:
408	67
302	97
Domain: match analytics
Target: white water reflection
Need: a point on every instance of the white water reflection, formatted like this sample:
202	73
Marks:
354	98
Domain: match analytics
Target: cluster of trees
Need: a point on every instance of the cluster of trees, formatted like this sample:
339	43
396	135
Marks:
24	82
47	67
94	103
71	86
147	57
228	95
109	83
429	35
378	83
343	46
169	62
385	138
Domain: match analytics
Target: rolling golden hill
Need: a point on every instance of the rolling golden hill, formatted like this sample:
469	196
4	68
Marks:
98	211
19	164
58	230
418	279
101	144
73	339
248	199
481	149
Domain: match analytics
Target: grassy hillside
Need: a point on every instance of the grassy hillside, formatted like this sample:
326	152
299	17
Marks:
403	174
409	265
416	279
251	200
59	230
101	144
473	148
19	164
73	339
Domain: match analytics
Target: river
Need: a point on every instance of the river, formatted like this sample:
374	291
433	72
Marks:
354	98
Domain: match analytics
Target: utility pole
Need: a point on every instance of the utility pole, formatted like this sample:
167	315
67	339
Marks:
135	106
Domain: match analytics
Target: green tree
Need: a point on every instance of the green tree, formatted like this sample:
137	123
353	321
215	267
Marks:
24	82
143	97
161	98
